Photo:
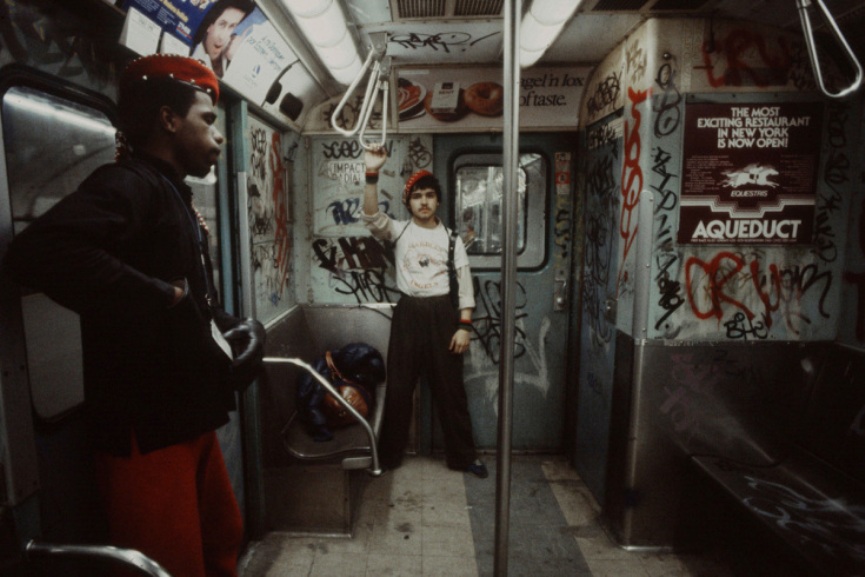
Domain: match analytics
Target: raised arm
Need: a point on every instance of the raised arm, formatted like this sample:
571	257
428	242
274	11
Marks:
374	159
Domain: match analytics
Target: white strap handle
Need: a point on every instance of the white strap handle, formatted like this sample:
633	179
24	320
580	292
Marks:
373	78
805	17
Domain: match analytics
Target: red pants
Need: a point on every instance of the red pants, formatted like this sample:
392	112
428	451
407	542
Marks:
175	505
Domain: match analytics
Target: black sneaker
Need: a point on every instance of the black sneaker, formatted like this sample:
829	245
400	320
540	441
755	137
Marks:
478	469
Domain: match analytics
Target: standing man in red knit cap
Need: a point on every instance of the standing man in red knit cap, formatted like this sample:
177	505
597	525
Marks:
431	328
162	359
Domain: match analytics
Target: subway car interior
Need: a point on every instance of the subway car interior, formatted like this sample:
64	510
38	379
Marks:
647	405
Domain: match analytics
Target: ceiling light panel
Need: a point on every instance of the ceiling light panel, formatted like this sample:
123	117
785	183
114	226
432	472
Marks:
478	8
435	9
404	9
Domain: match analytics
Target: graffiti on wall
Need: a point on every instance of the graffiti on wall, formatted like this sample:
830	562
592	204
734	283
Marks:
269	220
744	293
631	187
482	369
488	318
748	57
482	362
741	293
664	181
338	185
357	268
755	293
348	117
349	265
604	96
602	209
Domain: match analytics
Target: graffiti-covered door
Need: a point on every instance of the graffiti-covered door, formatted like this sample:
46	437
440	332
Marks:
470	167
603	167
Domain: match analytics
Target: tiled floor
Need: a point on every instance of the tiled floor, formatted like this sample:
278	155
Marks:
425	520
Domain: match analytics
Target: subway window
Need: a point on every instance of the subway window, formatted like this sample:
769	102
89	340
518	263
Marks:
479	206
51	144
38	126
478	202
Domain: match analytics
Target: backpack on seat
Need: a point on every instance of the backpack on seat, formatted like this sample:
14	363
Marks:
354	370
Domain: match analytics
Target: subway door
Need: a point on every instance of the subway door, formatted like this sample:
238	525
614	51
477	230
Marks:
54	135
470	169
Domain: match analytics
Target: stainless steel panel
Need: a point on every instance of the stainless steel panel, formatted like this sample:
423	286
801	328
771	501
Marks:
310	497
674	400
306	332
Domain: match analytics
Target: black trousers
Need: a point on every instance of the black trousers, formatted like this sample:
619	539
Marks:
420	335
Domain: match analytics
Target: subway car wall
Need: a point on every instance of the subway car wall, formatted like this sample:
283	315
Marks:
668	298
665	273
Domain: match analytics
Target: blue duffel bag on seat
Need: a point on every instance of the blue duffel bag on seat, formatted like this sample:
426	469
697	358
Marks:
354	370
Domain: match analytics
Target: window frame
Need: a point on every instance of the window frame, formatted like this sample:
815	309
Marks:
534	253
17	76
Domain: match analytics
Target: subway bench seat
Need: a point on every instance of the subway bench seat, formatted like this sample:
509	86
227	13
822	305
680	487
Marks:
804	491
314	487
818	514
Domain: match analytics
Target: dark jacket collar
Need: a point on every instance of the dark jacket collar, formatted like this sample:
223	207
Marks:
166	170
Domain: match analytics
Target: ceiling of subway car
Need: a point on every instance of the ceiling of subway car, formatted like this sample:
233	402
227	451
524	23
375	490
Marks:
434	32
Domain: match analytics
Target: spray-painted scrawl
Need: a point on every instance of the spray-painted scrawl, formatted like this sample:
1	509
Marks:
269	220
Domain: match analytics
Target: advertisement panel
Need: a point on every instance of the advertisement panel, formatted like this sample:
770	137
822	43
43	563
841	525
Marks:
179	18
750	173
434	99
232	37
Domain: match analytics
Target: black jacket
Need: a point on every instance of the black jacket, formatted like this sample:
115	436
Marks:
109	251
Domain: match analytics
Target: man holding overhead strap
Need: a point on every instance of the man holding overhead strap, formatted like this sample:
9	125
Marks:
429	333
162	360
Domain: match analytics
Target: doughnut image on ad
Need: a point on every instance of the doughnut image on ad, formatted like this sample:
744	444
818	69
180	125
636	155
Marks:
485	98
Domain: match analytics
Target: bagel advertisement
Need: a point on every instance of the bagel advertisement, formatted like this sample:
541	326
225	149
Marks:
443	99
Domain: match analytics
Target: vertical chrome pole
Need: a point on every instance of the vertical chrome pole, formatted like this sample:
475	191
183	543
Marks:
510	161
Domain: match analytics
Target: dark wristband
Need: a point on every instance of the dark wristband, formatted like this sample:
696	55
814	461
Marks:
372	177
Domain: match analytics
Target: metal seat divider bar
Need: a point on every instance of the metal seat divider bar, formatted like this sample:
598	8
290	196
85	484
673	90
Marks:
375	469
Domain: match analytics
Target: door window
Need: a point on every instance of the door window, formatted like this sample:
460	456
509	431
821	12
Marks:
51	144
478	205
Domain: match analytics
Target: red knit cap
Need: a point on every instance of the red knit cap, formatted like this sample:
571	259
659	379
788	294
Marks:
409	184
180	68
